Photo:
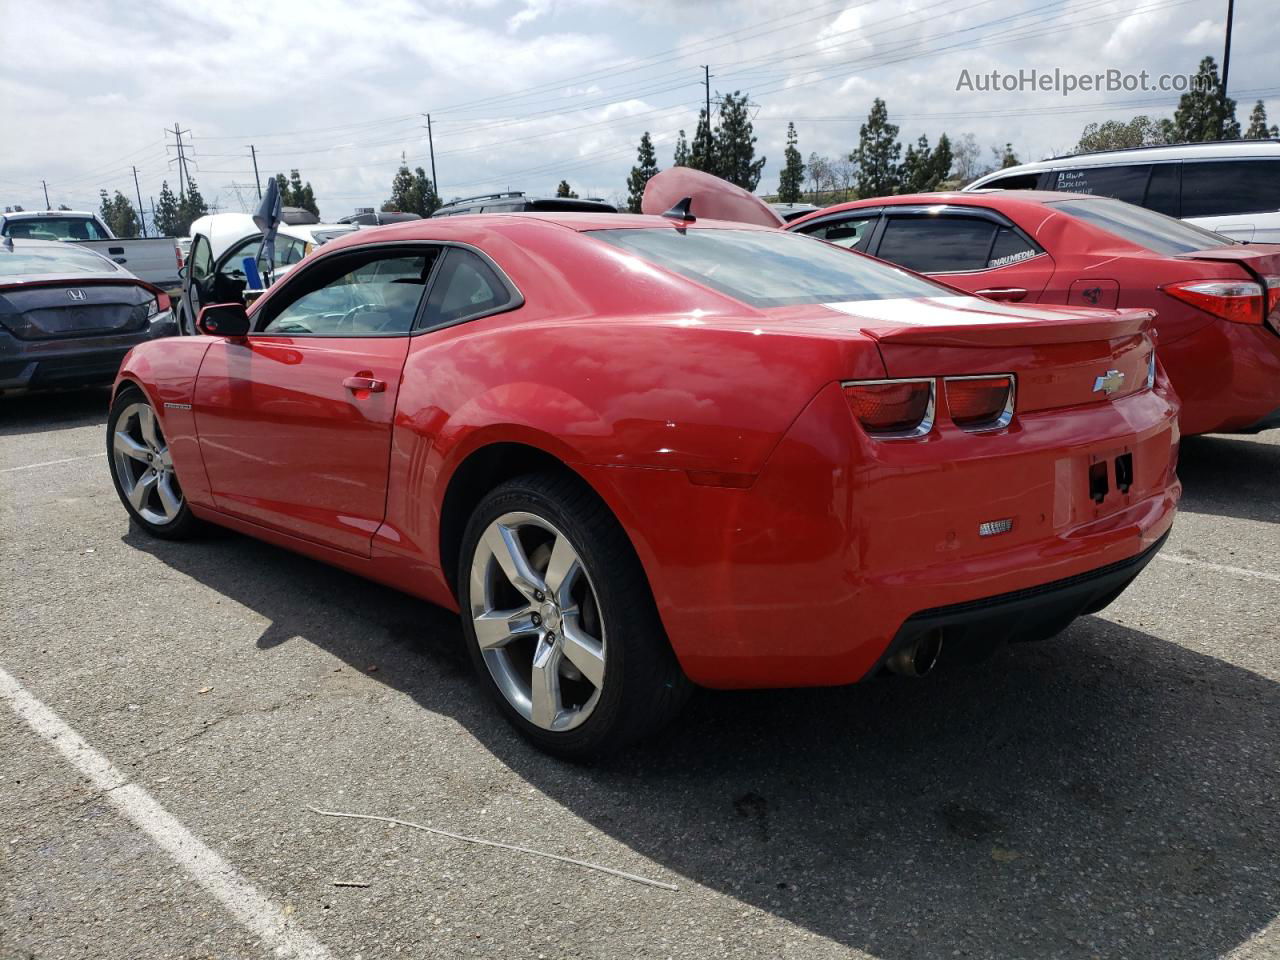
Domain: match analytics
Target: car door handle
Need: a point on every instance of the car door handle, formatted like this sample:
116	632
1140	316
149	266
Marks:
370	384
1011	294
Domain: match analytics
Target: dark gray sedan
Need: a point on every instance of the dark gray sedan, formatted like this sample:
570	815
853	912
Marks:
68	316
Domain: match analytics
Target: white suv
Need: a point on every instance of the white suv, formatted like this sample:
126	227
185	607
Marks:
1229	187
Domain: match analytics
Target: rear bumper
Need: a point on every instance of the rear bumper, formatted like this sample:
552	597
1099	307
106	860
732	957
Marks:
811	575
1227	376
30	365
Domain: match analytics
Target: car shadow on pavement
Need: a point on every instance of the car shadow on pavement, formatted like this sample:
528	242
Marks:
45	412
1230	477
1107	793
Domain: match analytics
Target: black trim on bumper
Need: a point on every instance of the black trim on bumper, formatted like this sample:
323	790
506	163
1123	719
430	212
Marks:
973	629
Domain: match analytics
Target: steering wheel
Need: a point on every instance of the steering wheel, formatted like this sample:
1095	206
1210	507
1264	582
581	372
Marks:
349	318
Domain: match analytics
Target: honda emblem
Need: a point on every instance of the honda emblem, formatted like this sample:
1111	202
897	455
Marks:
77	294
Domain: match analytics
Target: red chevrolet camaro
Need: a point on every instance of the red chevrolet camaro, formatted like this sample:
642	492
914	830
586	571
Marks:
638	452
1217	300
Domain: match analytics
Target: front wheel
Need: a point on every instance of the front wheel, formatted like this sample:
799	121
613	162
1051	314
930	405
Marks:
142	468
560	622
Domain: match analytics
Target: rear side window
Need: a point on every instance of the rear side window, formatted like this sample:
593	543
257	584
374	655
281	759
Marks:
852	232
1010	247
769	268
1127	183
1163	188
1215	188
465	287
938	244
1017	181
1144	227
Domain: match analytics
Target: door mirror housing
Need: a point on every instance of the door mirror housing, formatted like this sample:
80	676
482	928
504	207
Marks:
223	320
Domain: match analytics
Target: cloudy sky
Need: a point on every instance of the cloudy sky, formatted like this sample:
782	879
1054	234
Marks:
523	93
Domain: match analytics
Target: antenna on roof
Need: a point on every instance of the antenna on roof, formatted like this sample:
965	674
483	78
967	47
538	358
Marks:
682	211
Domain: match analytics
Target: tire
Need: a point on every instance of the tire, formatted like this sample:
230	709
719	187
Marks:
573	651
142	469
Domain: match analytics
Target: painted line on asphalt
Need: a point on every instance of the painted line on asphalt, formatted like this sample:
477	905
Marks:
52	463
1219	567
240	898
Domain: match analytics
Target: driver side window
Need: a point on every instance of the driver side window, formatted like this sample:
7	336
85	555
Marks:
373	293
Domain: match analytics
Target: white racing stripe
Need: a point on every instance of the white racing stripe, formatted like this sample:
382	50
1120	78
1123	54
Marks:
240	898
1219	567
52	463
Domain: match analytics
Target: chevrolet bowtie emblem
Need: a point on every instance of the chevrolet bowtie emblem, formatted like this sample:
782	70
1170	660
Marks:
1109	383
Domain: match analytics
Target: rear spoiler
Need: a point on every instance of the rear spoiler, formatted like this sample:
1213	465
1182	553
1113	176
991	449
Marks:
1057	325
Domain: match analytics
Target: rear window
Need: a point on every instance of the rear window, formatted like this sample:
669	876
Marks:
1146	228
1228	187
55	228
1124	183
30	260
766	268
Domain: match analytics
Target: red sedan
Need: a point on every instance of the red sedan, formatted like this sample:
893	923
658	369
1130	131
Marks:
1217	300
639	452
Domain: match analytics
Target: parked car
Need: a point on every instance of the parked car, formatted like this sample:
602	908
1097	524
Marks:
515	201
792	211
639	452
378	218
69	315
1232	188
214	265
1218	301
153	259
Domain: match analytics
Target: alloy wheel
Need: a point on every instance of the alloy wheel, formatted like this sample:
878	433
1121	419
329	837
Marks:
537	621
144	466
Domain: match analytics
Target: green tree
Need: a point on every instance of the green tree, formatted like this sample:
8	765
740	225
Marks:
702	150
1258	129
940	168
646	167
118	214
917	167
1203	113
167	215
877	154
735	144
564	190
1141	131
791	180
190	208
681	156
295	193
1006	157
412	192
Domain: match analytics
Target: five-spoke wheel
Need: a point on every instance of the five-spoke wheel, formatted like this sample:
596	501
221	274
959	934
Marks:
142	467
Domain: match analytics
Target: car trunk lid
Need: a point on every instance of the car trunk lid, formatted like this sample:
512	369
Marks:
47	311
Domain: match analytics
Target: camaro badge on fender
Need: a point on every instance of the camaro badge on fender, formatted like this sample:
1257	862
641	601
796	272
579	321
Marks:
1109	383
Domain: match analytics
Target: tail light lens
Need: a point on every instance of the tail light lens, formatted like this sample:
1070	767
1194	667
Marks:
892	408
160	304
1240	301
177	255
1273	302
980	403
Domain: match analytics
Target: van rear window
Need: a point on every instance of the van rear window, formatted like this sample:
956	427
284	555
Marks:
1216	188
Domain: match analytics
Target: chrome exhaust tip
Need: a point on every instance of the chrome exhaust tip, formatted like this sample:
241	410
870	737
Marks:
918	658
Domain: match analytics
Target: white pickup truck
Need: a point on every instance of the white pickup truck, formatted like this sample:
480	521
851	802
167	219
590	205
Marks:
154	260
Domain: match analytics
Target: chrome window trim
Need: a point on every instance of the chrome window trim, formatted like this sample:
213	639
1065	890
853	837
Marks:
923	428
1006	415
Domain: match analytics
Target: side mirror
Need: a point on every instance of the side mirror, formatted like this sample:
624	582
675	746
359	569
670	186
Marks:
223	320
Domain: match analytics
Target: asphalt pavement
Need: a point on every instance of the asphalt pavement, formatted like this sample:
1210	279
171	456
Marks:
1114	792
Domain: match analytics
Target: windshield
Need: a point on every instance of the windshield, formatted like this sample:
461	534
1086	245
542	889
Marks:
55	228
766	268
32	260
1146	228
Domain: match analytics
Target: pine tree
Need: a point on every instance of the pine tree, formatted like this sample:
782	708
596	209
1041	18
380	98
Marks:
1203	113
791	180
877	154
702	150
681	156
167	216
412	192
1258	129
735	144
646	167
917	167
118	214
940	168
564	190
191	208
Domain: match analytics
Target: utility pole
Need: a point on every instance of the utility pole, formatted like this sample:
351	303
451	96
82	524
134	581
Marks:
1226	69
256	179
431	148
706	82
142	214
46	195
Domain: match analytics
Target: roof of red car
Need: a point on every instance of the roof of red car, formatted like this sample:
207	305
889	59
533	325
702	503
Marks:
972	198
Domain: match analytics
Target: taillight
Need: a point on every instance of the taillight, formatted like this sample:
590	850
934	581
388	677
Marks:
1273	302
1240	301
980	403
177	255
892	408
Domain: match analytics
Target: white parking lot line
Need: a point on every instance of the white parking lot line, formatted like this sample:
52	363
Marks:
52	463
1219	567
240	898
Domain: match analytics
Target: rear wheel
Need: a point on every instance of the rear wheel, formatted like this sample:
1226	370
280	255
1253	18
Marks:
560	622
142	468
